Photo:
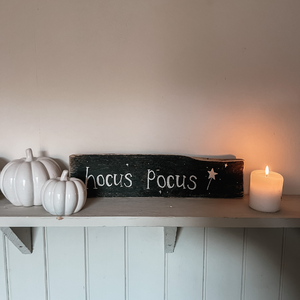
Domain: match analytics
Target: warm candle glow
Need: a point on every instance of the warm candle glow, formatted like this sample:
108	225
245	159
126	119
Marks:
267	171
265	190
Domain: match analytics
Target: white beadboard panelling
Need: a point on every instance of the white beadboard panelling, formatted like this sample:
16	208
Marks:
27	271
291	265
224	263
106	263
145	263
129	264
66	263
184	267
263	264
3	283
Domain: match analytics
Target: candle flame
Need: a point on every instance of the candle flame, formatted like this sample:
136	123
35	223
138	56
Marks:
267	171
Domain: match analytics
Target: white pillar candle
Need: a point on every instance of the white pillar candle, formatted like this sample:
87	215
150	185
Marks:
265	190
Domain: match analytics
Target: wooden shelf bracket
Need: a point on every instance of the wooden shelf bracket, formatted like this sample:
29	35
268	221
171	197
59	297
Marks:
20	237
170	238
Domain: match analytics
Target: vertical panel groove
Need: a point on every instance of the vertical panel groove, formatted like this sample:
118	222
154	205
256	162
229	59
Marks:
165	274
243	275
126	271
282	264
86	263
46	266
204	276
5	252
9	292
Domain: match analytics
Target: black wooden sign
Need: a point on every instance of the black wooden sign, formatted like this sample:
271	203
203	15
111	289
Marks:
111	175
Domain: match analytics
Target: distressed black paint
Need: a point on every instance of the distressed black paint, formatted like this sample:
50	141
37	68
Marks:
111	175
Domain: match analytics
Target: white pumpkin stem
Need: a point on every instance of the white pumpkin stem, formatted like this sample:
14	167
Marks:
64	175
29	155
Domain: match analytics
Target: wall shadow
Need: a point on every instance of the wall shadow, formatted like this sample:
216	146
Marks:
3	162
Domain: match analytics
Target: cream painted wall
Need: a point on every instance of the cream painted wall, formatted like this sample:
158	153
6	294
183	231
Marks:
180	77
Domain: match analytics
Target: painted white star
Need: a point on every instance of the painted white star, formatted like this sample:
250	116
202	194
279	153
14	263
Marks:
212	174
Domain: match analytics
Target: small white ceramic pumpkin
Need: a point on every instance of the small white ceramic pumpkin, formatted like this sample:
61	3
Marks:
63	196
21	180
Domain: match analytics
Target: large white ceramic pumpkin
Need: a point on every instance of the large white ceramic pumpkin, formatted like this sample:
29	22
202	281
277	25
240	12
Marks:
63	196
21	180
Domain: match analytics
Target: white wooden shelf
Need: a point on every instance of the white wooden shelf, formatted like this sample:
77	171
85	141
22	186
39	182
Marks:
156	212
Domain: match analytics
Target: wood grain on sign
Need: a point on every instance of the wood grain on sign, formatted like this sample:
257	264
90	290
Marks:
139	175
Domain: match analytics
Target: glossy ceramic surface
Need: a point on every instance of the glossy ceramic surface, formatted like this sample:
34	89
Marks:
63	196
21	180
